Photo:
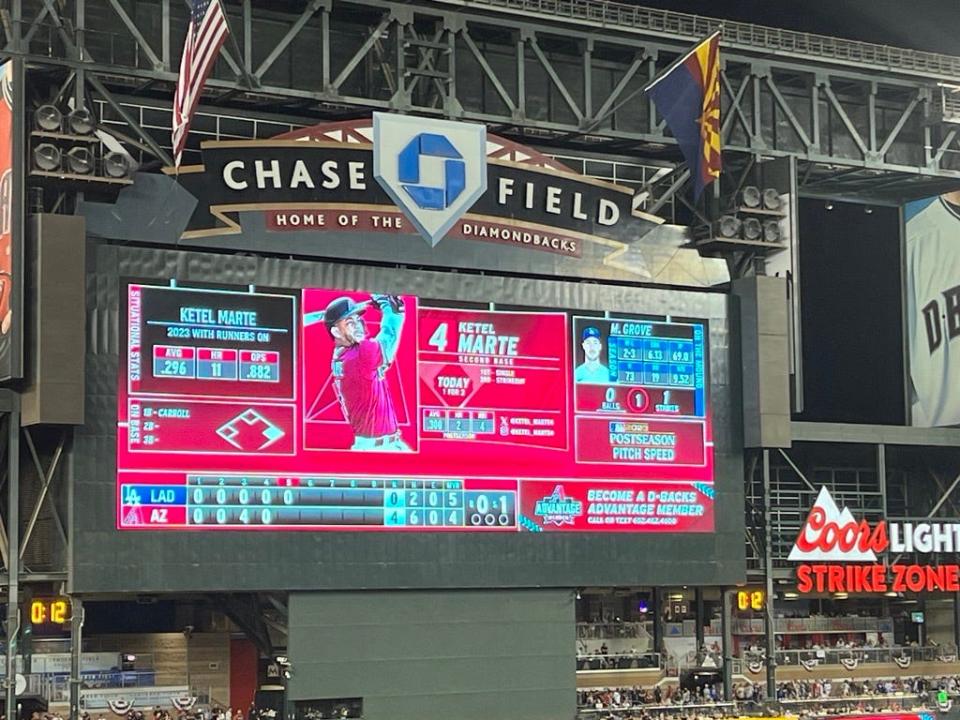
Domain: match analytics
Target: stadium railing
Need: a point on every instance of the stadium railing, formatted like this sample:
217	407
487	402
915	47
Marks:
620	661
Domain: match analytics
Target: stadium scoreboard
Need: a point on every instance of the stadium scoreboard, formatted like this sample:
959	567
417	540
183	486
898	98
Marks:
325	409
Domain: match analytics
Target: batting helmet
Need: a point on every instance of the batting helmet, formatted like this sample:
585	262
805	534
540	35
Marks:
341	308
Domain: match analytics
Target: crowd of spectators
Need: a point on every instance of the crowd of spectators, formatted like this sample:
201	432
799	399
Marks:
816	689
158	713
706	694
919	690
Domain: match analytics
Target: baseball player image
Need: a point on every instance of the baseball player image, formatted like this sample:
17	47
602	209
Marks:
591	370
932	242
359	366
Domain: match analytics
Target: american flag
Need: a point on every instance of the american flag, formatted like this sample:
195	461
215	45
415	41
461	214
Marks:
207	32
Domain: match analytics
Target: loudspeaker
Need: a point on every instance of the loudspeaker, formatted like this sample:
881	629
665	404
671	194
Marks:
764	351
56	321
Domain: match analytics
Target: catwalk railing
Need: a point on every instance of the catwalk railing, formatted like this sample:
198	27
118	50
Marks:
839	656
620	661
621	16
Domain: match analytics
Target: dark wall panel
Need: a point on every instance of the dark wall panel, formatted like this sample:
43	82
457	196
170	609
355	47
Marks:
853	367
488	655
108	560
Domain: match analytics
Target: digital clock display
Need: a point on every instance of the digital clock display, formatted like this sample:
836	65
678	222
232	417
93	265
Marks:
50	611
751	599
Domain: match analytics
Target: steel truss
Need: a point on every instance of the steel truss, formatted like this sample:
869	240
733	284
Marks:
859	123
900	474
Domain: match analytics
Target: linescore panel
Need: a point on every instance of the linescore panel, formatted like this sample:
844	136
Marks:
324	410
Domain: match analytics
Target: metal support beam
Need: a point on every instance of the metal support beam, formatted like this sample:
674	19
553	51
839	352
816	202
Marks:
557	82
797	470
845	119
157	151
657	620
46	477
768	615
895	132
488	72
165	33
956	619
944	497
292	33
665	198
788	112
142	43
698	603
76	653
362	52
726	640
605	108
13	538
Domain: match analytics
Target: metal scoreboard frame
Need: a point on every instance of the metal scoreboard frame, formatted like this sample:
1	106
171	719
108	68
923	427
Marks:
106	559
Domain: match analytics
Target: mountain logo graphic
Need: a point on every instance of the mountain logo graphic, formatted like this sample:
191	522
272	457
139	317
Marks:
830	533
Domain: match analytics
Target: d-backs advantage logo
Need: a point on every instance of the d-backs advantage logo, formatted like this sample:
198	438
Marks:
558	509
434	170
833	534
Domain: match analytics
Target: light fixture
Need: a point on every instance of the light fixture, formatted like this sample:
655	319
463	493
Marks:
752	229
771	199
828	206
578	594
892	593
771	231
728	226
48	118
47	157
840	596
116	165
751	196
80	160
868	210
80	121
790	595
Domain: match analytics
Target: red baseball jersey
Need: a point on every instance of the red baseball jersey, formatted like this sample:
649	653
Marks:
363	390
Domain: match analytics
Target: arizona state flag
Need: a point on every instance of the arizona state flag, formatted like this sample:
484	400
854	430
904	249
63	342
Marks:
687	95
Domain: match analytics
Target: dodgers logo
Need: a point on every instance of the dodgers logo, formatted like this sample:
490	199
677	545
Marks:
434	170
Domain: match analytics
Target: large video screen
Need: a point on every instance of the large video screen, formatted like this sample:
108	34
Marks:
323	409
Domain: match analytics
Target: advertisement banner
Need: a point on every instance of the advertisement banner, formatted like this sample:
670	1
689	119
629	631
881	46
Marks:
10	253
327	409
836	552
932	238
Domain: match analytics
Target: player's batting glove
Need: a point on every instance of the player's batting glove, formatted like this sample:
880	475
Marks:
391	302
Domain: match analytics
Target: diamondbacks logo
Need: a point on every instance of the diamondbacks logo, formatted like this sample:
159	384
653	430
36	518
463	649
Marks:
830	533
558	509
434	170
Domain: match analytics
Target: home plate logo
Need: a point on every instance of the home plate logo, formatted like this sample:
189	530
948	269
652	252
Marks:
830	533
